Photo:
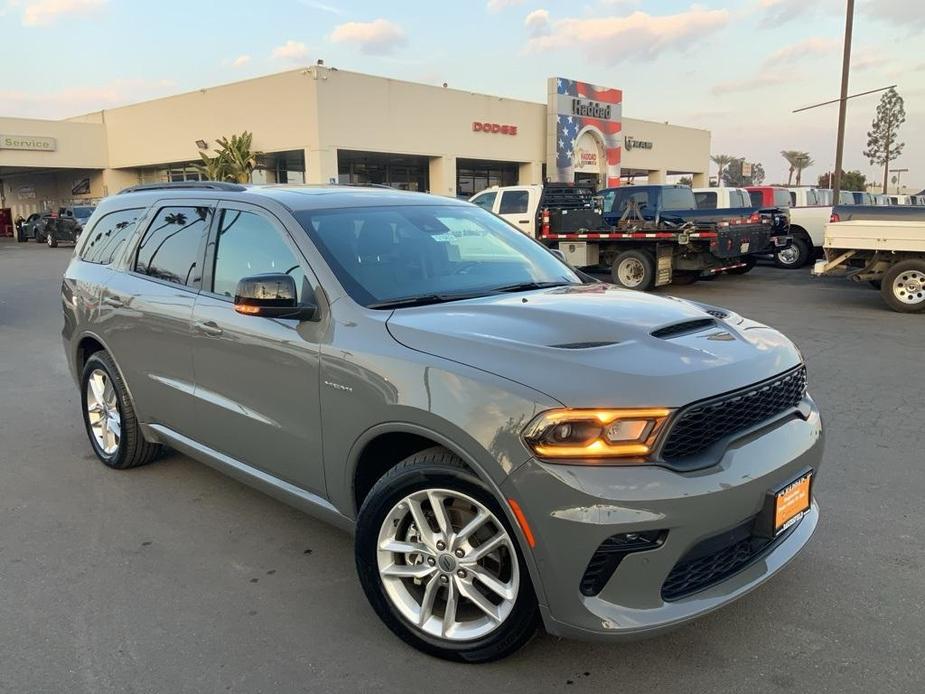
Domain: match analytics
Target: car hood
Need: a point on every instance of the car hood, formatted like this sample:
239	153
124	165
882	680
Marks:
593	345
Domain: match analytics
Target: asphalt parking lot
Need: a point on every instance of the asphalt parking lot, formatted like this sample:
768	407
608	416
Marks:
174	578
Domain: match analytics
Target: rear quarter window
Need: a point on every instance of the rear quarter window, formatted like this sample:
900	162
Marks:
107	238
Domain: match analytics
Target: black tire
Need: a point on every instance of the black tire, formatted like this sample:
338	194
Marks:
432	469
750	263
795	260
644	265
910	270
51	240
133	450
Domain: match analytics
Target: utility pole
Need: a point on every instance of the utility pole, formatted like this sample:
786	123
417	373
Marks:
886	154
843	102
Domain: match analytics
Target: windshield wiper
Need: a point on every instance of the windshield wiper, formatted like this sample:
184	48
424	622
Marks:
526	286
423	300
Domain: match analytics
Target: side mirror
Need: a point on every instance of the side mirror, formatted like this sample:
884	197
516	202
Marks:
559	254
272	296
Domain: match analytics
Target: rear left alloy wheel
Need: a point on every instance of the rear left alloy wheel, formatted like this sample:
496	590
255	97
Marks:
109	416
439	563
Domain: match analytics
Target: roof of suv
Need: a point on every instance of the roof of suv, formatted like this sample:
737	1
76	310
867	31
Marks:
295	197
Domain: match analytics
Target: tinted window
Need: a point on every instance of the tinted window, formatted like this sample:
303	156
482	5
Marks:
622	199
385	253
756	197
83	212
793	199
109	236
250	244
677	199
485	200
514	201
706	201
170	248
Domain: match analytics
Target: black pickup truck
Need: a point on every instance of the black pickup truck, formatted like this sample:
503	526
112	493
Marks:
652	235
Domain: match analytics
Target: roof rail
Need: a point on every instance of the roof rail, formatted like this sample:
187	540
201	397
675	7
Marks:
185	185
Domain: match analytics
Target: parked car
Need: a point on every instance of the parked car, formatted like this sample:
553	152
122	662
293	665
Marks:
510	445
887	250
28	230
809	213
721	198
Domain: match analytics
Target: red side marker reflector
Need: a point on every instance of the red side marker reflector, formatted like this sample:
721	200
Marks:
522	521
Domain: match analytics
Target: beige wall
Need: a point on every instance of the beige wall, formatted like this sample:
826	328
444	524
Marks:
79	145
674	148
279	109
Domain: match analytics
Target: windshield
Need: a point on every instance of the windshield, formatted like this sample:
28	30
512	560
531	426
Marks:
83	212
383	254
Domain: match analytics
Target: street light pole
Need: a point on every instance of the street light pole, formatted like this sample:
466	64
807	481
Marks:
842	104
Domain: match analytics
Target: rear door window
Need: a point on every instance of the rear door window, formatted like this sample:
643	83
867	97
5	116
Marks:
171	249
677	199
109	235
706	201
757	198
514	202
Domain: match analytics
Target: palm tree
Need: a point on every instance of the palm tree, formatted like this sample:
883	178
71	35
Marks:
804	161
792	156
236	153
721	161
212	168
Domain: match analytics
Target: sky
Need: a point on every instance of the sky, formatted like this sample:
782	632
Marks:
738	69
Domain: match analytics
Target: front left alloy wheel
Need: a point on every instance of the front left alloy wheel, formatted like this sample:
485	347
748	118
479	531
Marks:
439	563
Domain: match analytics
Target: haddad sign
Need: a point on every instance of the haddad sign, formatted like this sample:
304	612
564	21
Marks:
30	142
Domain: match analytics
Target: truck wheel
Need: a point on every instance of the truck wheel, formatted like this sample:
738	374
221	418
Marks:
749	264
634	270
794	256
903	286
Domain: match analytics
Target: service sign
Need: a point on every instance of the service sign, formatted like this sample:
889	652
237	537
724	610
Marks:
33	143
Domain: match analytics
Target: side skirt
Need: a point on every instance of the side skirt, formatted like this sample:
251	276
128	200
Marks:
306	501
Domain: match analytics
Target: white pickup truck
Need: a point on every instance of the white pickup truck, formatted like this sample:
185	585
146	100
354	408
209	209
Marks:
808	216
721	198
889	253
517	204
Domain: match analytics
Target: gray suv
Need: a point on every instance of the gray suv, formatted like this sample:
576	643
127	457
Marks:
510	443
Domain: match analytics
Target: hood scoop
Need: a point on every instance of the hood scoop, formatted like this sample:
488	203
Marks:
683	328
585	345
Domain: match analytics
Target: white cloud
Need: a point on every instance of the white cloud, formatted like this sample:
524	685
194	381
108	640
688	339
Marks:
78	100
498	5
291	52
777	12
610	40
537	23
240	61
324	7
45	12
776	68
902	13
378	37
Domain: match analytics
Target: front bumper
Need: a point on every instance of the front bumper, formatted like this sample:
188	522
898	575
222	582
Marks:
572	509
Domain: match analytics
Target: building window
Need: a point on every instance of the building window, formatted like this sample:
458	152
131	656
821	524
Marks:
474	175
401	171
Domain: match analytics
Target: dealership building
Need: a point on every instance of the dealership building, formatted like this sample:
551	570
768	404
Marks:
323	125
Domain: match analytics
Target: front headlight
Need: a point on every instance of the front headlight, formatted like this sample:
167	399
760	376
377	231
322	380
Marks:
597	434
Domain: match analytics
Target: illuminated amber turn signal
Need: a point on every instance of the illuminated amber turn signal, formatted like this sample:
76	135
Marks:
592	433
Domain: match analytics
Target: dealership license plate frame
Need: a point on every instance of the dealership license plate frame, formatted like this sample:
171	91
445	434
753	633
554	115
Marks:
770	523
